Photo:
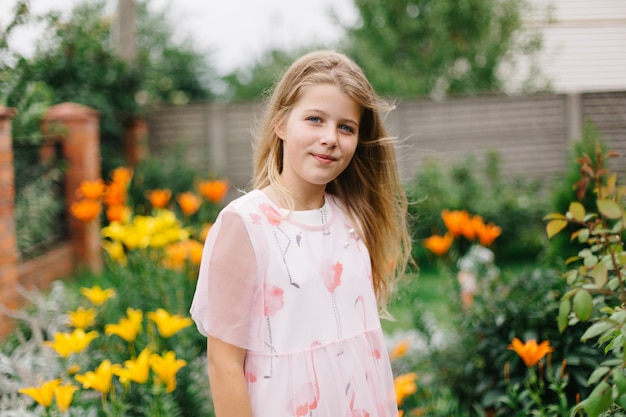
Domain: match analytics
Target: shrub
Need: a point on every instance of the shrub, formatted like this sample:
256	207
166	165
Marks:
559	247
595	277
517	205
471	362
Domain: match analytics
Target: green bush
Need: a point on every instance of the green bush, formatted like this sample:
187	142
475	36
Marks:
516	204
472	360
560	247
168	170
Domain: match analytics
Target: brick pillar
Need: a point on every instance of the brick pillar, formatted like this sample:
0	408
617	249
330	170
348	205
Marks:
135	141
8	242
80	131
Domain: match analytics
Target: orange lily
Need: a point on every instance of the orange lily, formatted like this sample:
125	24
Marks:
399	350
470	228
530	352
439	245
195	249
91	190
455	221
85	210
214	190
159	198
189	202
487	233
117	213
115	194
122	176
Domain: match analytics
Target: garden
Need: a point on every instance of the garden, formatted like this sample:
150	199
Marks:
513	306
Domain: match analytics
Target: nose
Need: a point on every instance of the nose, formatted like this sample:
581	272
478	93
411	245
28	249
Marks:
329	137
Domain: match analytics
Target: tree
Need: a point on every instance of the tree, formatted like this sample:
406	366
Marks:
437	47
77	62
251	82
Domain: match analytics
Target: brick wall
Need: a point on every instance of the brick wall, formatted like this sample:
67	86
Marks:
78	130
8	243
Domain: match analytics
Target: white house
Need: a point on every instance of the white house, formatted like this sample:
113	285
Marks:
584	45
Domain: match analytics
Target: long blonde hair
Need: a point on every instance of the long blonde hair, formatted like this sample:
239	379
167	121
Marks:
369	188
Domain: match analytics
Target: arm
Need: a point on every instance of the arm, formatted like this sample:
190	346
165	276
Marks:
226	376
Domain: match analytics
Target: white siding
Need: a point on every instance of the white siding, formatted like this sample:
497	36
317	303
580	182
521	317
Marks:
584	45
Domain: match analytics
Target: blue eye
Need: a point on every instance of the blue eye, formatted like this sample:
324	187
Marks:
315	119
346	128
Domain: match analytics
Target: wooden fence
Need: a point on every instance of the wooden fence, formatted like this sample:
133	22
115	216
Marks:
533	134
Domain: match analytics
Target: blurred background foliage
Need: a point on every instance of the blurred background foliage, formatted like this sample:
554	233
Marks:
406	47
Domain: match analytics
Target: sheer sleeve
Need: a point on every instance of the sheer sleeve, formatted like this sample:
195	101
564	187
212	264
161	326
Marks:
228	294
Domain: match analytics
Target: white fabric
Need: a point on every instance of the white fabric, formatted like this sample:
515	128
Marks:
295	291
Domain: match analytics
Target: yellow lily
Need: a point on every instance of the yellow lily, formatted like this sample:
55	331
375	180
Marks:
82	318
167	324
64	394
128	327
97	295
66	344
116	251
135	370
404	386
44	394
166	367
98	380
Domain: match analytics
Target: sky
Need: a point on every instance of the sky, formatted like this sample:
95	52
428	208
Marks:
234	31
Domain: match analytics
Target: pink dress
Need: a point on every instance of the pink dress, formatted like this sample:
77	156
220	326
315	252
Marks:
296	293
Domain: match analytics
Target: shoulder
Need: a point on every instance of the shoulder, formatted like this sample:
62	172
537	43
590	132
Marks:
253	208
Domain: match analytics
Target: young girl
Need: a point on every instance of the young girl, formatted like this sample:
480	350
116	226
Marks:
295	273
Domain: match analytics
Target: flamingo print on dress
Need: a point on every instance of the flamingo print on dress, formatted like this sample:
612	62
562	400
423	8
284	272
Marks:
352	237
332	279
307	396
272	303
283	241
374	345
352	412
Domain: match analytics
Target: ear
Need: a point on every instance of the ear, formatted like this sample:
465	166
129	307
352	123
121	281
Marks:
279	129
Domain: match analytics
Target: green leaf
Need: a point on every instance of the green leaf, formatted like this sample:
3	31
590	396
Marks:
610	209
620	380
619	316
599	273
597	374
599	400
577	211
555	226
596	330
583	305
582	235
564	309
554	216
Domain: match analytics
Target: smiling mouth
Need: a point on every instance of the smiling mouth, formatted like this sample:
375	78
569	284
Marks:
324	158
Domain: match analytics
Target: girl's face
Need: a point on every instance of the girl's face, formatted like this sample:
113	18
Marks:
319	136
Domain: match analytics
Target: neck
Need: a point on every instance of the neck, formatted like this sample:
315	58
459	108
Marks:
302	200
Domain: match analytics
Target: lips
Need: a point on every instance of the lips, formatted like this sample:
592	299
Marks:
325	159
